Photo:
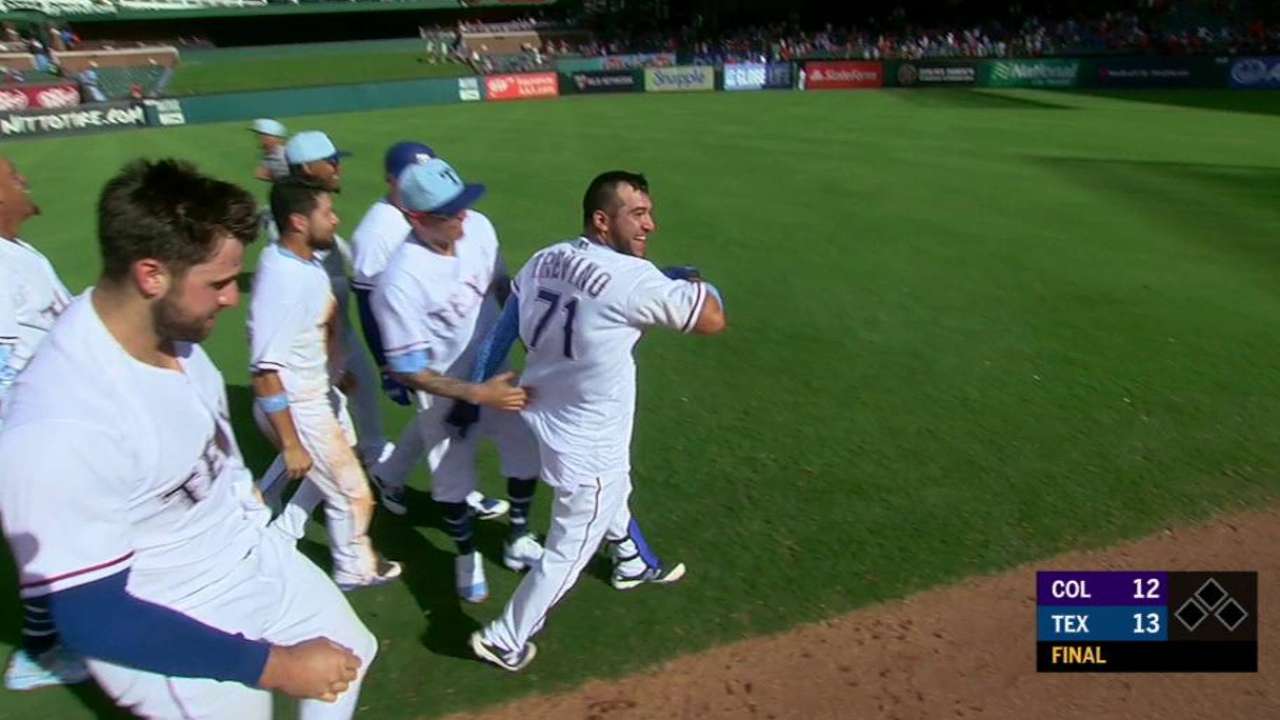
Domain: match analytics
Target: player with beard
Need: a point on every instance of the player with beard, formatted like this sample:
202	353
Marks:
298	377
124	497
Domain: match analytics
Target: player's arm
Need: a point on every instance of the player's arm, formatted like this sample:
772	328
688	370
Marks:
276	315
498	392
680	300
711	319
405	328
84	574
493	351
269	394
263	173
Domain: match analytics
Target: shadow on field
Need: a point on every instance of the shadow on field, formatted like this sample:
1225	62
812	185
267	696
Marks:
1239	205
970	99
1258	102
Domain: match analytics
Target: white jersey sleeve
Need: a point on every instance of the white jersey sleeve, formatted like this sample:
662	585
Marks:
658	300
381	231
400	316
59	470
274	326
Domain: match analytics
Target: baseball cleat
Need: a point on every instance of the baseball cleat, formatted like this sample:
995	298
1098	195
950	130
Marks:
55	666
392	497
469	573
655	575
522	553
486	508
387	571
493	654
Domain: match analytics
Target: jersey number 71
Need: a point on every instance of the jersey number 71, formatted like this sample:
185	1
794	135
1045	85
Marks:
553	303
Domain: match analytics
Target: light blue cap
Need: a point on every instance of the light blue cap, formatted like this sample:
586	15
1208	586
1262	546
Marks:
434	187
310	146
267	126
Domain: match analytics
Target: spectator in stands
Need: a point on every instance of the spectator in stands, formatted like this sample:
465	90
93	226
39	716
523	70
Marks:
90	87
271	136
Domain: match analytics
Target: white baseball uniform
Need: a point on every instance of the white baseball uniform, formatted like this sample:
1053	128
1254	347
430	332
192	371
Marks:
364	399
381	231
583	308
149	475
289	321
31	298
445	306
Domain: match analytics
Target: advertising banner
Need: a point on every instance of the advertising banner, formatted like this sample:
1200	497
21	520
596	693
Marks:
923	73
164	113
521	87
605	81
1059	73
15	98
102	116
779	76
1256	73
826	75
468	89
745	76
1159	72
688	78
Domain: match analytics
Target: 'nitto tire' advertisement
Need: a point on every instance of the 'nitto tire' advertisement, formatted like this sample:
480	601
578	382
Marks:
113	116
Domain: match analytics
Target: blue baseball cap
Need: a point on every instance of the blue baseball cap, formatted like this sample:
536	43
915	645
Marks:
310	146
267	126
403	154
434	187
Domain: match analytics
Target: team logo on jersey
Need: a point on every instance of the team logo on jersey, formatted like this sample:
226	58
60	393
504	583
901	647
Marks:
198	483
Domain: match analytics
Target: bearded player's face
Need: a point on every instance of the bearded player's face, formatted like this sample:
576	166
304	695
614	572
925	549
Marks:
186	313
632	222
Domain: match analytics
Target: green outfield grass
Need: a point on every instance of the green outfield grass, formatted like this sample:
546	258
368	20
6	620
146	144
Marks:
968	330
205	75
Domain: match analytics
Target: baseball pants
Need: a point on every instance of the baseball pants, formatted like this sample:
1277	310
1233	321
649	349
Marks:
336	478
452	459
275	594
582	516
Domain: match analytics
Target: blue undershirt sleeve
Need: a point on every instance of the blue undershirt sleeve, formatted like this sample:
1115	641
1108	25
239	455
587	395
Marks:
102	620
498	342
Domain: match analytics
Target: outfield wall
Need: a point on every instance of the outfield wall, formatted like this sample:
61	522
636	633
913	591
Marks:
1117	73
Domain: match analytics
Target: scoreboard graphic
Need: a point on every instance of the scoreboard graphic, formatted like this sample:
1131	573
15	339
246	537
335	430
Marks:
1091	621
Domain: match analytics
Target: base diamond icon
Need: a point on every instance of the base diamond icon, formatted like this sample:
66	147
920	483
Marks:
1231	614
1191	614
1210	594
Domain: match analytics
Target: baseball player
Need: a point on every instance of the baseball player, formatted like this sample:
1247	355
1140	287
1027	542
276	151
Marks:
382	230
31	297
312	155
183	602
580	307
434	303
271	136
294	342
